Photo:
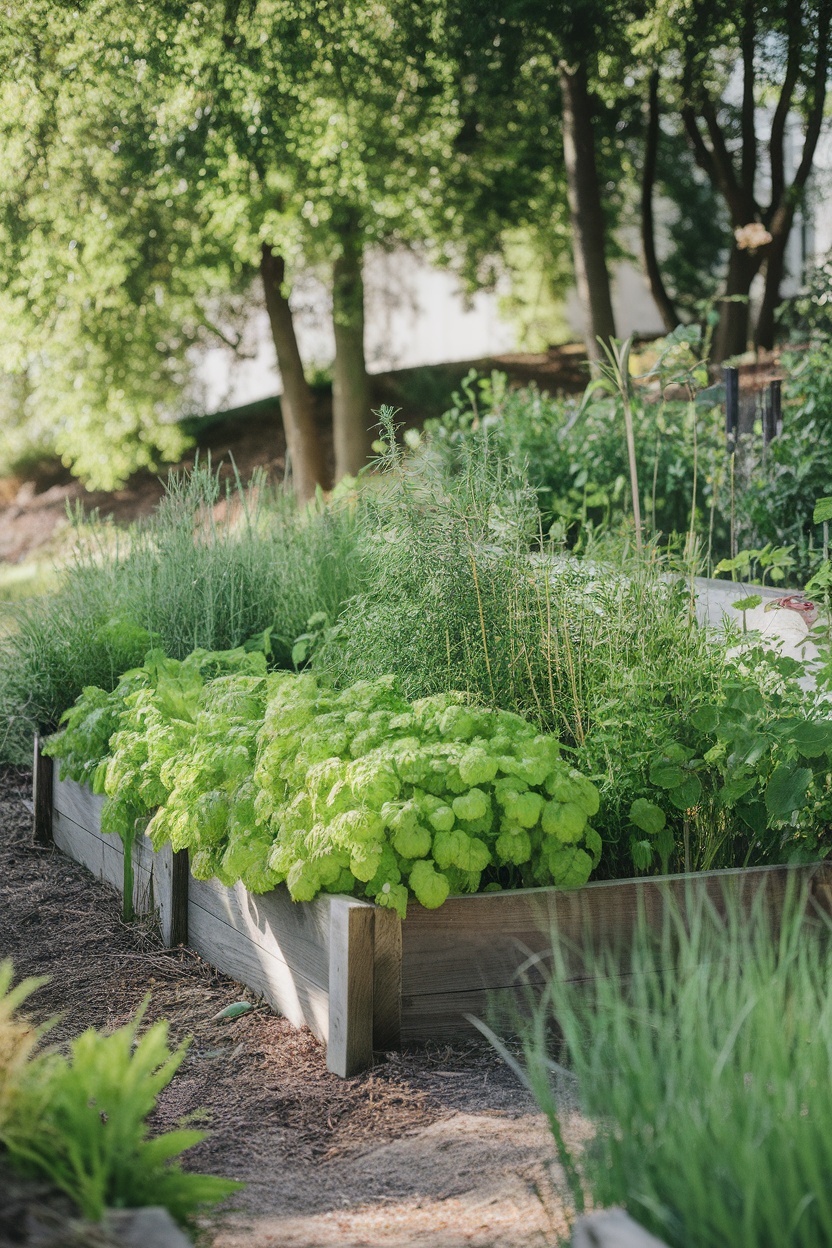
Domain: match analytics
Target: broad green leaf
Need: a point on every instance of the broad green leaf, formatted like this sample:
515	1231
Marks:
665	844
642	853
705	719
754	816
786	790
233	1011
811	738
677	753
299	652
747	604
733	790
688	794
667	775
823	510
647	816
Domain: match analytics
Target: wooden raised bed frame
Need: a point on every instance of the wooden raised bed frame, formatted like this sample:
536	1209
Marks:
354	973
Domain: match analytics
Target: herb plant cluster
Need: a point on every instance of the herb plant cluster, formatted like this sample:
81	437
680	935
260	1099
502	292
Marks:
690	483
272	778
695	1056
218	562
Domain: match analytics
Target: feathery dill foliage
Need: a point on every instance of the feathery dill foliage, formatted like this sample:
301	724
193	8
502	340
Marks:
441	557
217	563
463	592
707	1070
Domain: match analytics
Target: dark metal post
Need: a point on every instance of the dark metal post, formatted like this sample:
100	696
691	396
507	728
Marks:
732	403
776	397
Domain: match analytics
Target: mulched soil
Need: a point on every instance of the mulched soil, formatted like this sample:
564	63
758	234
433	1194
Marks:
256	1075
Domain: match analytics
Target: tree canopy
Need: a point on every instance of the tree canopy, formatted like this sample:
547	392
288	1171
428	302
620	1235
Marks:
163	162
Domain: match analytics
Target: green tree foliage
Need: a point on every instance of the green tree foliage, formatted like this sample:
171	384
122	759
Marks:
735	76
148	165
97	322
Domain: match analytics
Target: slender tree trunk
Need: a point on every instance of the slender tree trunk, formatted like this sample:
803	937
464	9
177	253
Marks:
658	289
732	332
775	269
297	407
585	209
351	416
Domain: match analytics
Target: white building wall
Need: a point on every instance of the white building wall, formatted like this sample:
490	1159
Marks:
418	314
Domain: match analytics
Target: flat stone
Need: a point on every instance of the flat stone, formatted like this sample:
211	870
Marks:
612	1228
143	1228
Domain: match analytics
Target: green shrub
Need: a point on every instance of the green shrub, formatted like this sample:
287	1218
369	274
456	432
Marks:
117	742
776	491
707	1073
576	457
215	565
80	1119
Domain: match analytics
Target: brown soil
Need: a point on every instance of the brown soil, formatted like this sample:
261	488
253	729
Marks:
436	1146
33	513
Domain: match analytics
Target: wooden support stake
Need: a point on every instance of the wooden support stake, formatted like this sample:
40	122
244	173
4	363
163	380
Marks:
180	875
42	779
350	1041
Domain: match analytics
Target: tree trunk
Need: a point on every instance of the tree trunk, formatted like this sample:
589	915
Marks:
303	442
351	416
775	268
585	209
732	332
661	298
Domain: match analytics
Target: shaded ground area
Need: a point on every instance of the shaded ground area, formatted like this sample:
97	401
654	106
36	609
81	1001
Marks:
438	1146
33	513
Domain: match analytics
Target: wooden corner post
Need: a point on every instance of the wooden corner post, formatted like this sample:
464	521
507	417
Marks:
350	1042
42	778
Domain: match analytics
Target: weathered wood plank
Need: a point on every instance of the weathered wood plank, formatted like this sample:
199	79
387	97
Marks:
387	979
104	855
480	941
42	795
104	858
232	950
350	1039
442	1015
79	802
170	890
177	932
612	1228
296	933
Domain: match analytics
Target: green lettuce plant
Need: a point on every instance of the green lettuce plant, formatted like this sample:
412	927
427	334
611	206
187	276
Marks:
280	777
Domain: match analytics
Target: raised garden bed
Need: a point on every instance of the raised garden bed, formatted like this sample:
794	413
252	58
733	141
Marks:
359	977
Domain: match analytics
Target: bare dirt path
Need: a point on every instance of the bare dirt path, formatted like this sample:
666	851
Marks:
438	1146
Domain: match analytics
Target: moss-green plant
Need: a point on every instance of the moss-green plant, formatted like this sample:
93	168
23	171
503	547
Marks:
276	778
605	651
80	1119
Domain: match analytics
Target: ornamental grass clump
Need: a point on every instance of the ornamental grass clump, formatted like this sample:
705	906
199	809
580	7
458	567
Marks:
704	1061
217	563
